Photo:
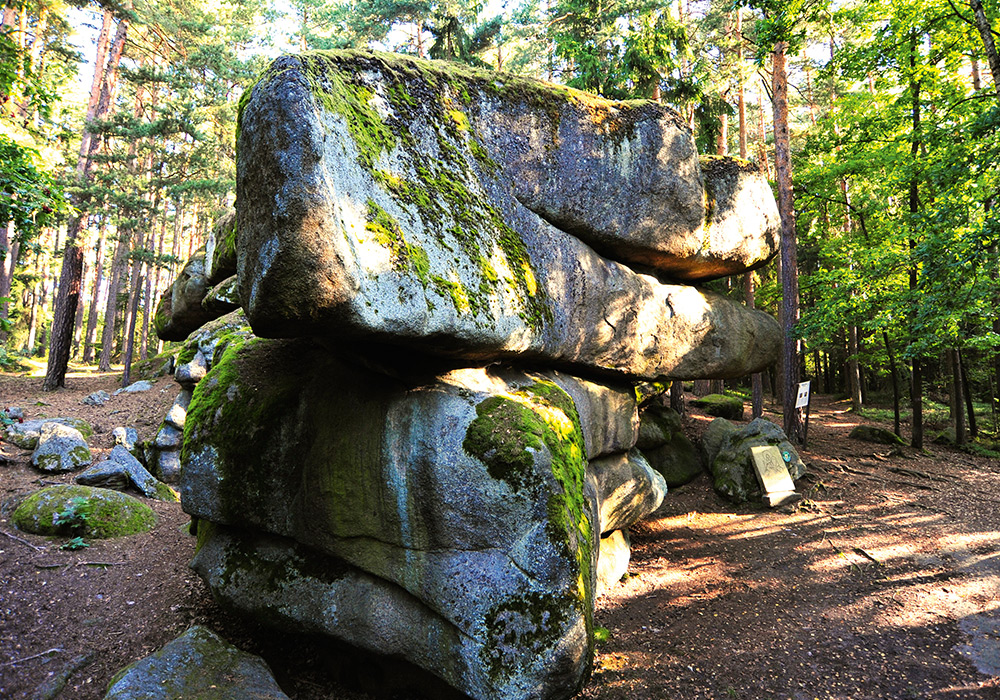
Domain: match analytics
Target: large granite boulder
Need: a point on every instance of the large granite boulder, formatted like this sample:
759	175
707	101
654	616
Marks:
180	311
220	249
460	496
381	198
25	434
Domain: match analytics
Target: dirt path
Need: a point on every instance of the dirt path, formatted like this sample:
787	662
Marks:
885	583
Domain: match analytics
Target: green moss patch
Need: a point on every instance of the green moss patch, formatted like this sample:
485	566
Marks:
102	513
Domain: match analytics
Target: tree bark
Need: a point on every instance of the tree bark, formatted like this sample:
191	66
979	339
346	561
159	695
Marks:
957	402
895	384
986	34
967	393
91	334
916	381
853	368
133	311
72	266
677	396
789	262
741	103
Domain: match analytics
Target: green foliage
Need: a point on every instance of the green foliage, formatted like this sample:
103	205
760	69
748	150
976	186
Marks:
74	517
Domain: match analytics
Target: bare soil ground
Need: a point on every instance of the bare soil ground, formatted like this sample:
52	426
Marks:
884	583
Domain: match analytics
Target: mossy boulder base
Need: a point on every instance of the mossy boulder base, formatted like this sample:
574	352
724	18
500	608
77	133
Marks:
392	199
460	499
93	513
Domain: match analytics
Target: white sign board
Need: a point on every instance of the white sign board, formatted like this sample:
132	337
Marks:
802	398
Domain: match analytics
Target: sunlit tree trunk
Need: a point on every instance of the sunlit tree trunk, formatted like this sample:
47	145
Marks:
789	262
91	334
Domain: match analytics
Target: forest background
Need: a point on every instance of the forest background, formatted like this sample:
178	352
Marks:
877	123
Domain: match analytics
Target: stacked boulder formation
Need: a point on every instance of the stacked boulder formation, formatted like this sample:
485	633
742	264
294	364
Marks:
427	446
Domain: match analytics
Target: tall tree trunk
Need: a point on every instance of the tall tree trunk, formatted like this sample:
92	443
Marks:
986	34
677	396
72	266
91	334
100	66
895	384
789	262
916	382
967	393
133	310
78	320
741	103
853	368
957	402
111	308
756	381
10	246
765	167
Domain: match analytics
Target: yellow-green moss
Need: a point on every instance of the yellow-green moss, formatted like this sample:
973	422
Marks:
109	513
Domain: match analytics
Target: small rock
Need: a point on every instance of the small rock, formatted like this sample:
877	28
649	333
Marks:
119	470
168	466
60	449
873	433
190	373
612	560
198	664
15	413
127	438
178	411
136	387
721	406
98	398
168	437
25	434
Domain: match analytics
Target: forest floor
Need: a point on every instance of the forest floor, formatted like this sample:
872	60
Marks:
883	583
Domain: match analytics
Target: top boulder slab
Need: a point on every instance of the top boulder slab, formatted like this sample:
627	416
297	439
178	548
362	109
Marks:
373	202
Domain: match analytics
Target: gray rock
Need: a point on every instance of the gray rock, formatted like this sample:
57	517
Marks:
119	470
198	664
715	436
464	268
628	489
607	413
464	489
168	466
732	468
180	311
178	410
127	438
98	398
25	435
874	433
136	387
60	449
190	373
223	297
220	249
168	437
678	461
15	413
657	426
612	562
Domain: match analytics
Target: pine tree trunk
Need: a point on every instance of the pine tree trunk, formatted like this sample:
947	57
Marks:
957	401
789	262
91	334
63	314
133	310
916	382
741	103
967	393
853	368
677	396
111	308
78	320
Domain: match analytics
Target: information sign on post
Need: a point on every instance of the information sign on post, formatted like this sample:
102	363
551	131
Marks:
802	401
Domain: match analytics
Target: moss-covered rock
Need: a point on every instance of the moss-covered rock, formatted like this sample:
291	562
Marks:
657	426
467	489
100	513
677	461
25	435
60	449
417	201
220	249
873	433
721	406
732	467
180	311
198	664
